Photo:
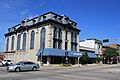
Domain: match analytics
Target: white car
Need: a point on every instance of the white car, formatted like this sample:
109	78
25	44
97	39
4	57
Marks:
6	62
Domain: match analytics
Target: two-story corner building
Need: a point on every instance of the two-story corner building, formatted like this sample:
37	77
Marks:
94	44
49	37
116	46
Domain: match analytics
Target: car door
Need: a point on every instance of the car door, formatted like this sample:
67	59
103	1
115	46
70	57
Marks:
27	66
22	66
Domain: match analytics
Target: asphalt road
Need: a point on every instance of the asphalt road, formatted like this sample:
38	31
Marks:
104	72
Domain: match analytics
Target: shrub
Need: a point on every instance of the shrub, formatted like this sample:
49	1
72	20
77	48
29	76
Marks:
65	65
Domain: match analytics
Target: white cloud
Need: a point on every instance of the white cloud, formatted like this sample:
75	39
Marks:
32	16
24	12
63	2
41	3
7	6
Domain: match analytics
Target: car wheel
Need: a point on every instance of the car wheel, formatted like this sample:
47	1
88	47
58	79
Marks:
17	69
34	68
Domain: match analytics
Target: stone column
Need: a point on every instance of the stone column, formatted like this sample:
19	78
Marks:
78	39
48	60
63	39
76	60
69	40
49	35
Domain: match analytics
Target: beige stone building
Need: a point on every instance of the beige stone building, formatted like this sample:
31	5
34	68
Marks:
49	38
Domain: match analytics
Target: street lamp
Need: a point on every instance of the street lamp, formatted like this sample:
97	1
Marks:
41	57
66	55
79	59
41	63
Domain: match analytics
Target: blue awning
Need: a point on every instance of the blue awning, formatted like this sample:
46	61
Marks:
92	55
57	52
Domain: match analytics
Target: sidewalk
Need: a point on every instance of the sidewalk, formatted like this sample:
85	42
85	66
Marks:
53	66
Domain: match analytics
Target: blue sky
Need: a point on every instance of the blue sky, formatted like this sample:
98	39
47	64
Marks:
96	18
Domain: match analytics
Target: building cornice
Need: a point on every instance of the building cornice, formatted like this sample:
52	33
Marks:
45	18
50	21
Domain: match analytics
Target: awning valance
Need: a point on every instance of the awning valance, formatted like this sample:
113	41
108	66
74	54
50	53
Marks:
58	52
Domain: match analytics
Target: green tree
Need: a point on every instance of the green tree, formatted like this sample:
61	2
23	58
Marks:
110	52
85	58
98	59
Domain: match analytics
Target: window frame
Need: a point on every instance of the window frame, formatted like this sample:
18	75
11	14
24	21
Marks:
32	39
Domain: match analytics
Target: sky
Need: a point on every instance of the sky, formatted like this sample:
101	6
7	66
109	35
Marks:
98	19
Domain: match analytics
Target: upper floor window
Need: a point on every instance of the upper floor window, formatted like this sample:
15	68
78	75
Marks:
66	33
32	40
42	38
71	36
60	34
73	41
12	43
55	33
57	40
24	41
18	41
7	44
75	37
73	46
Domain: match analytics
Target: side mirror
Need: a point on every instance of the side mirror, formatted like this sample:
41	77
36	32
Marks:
22	64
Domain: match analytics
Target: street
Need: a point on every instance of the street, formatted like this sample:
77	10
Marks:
104	72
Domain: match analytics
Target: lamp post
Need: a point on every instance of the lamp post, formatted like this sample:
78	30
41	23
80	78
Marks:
41	63
41	57
79	59
66	59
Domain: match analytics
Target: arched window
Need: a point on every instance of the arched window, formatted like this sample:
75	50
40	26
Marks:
7	44
18	41
42	38
12	43
32	40
24	41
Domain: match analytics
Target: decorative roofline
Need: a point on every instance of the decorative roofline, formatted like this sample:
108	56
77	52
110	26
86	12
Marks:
40	23
62	19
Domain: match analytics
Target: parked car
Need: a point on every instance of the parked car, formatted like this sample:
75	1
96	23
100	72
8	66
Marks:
23	66
6	62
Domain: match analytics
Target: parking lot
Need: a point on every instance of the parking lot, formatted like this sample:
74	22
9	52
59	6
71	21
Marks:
103	72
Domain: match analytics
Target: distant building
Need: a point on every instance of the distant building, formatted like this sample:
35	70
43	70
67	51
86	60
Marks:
2	56
116	46
93	44
91	53
110	59
49	37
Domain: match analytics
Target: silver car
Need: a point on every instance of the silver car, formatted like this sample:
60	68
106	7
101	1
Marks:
23	66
